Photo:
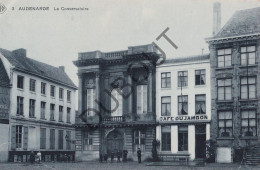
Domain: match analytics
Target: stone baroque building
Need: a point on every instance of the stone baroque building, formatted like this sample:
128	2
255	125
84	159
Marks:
42	108
183	106
123	118
234	59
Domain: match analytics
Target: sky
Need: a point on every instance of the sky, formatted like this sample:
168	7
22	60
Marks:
56	37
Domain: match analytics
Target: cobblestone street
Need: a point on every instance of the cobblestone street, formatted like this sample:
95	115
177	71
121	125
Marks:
119	166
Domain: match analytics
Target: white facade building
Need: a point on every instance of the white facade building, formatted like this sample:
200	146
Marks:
183	106
42	108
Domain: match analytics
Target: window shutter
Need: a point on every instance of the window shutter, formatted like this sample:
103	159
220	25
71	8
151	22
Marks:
25	138
13	137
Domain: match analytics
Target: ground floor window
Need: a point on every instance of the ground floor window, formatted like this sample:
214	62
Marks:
60	140
139	140
182	138
18	136
248	122
166	138
225	124
88	142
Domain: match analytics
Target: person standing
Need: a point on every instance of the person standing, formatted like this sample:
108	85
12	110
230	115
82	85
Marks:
112	156
39	156
118	156
139	154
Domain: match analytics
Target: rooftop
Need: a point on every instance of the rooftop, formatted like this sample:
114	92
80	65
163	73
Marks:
19	60
3	75
194	58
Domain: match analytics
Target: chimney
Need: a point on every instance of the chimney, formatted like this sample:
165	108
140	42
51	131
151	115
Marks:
62	68
216	17
21	52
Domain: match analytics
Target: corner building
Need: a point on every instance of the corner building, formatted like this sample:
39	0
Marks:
183	106
234	60
116	102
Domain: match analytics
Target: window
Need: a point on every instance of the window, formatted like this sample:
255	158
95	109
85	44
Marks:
182	78
19	106
183	105
32	85
182	138
52	91
52	138
200	104
60	140
18	136
225	124
32	108
166	106
248	55
116	102
248	87
139	140
200	77
20	82
166	80
141	99
166	138
224	57
43	104
248	122
68	140
91	102
61	93
43	138
88	141
68	115
60	113
68	96
43	88
224	89
52	109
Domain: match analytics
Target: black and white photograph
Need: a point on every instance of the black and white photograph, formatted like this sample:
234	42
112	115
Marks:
130	84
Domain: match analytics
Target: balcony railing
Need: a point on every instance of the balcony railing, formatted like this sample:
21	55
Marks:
113	119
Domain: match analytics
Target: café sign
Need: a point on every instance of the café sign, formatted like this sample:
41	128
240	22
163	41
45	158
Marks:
183	118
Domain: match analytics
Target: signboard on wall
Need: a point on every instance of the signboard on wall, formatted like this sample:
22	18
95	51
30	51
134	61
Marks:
182	118
4	102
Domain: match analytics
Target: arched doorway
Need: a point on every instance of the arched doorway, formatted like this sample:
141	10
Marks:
115	142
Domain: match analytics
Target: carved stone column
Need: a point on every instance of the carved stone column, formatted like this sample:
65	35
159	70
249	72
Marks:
150	92
97	91
130	98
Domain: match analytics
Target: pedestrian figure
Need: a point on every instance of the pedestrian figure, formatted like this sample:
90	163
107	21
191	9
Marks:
125	152
32	157
118	156
112	156
105	157
139	154
39	157
101	157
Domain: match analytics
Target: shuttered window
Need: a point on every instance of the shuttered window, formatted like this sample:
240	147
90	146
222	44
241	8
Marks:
18	136
141	99
43	138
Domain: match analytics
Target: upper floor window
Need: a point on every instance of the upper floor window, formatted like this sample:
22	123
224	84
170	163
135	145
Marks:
61	93
52	111
43	104
116	103
43	88
224	57
19	105
91	102
141	99
20	82
224	89
183	105
52	91
166	80
182	78
248	87
225	123
68	115
32	108
32	85
166	106
248	55
68	96
200	77
200	104
248	118
60	113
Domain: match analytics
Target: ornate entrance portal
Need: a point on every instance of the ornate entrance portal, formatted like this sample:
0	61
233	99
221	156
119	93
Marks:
115	142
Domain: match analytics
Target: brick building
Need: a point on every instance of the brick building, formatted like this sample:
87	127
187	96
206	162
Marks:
123	115
42	108
235	97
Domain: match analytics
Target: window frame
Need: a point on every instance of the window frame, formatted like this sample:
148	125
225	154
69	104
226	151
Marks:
32	108
61	110
52	139
167	79
247	85
43	109
166	105
52	90
43	138
183	77
68	96
187	103
165	146
60	139
247	55
68	114
224	55
52	112
248	121
20	85
185	146
225	94
32	87
43	88
61	93
141	140
20	106
200	70
225	122
196	95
